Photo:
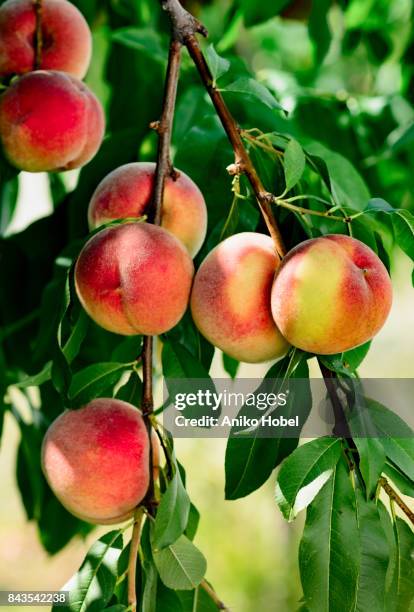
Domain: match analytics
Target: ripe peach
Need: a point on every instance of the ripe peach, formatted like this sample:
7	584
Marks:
134	278
331	294
66	39
230	301
50	121
126	192
96	460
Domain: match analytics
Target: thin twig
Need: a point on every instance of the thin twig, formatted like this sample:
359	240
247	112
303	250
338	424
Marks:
393	495
307	211
133	555
213	595
38	40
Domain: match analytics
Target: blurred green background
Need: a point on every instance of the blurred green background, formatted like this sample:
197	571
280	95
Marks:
344	72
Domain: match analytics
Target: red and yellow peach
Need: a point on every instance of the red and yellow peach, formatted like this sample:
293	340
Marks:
126	192
50	121
134	278
96	460
230	301
66	39
331	294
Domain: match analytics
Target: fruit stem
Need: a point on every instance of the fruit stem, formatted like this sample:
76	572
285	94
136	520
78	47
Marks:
133	555
38	8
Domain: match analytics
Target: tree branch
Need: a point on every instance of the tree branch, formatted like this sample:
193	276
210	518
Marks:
163	168
393	495
243	163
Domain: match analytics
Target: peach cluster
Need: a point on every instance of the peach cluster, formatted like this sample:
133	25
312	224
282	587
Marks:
49	120
328	295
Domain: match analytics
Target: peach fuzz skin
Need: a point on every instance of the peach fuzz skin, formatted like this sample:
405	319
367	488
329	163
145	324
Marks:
127	191
50	121
67	41
331	294
230	301
96	460
134	278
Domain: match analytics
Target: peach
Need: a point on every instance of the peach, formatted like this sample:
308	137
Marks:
96	460
66	39
331	294
126	192
134	278
230	301
50	121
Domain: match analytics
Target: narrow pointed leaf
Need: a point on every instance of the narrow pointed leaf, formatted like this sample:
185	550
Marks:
310	464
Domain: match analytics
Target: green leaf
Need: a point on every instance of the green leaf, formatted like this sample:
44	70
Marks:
294	163
319	31
149	595
250	461
73	344
348	187
192	523
329	564
9	190
168	599
370	449
178	365
172	514
36	379
402	223
251	88
230	365
89	383
346	362
256	12
131	392
197	601
91	588
401	569
374	549
218	65
304	473
181	565
396	437
147	41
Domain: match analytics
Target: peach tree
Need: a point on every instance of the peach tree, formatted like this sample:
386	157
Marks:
199	154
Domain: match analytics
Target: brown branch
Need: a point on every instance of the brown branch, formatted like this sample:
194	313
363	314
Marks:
133	555
38	39
164	129
341	428
393	495
163	168
242	159
213	595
